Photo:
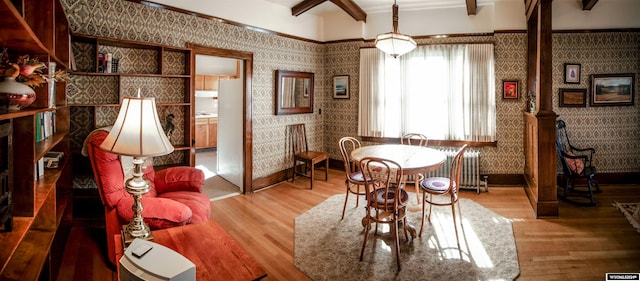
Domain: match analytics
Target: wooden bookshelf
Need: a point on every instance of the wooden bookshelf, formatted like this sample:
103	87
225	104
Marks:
37	28
160	71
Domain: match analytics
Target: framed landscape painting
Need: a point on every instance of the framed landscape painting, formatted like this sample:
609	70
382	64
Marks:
612	89
341	87
573	97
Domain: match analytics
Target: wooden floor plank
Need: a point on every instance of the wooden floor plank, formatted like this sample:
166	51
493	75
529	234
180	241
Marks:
583	243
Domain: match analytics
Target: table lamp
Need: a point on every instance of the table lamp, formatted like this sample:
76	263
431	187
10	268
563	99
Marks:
138	133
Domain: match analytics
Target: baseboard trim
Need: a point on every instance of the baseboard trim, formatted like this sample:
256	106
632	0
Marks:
516	180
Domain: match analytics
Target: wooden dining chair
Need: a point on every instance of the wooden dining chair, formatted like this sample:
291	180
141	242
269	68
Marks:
354	178
386	199
415	139
442	186
305	158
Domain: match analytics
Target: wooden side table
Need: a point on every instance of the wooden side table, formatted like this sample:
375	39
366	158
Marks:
217	255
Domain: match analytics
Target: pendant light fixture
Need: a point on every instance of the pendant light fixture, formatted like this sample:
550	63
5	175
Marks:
394	43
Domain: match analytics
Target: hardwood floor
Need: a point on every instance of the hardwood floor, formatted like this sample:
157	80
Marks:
583	243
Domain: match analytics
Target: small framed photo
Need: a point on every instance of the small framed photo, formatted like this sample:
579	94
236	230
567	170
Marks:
612	89
510	90
572	73
573	97
341	87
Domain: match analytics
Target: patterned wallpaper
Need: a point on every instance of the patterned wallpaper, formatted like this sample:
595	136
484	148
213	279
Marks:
613	131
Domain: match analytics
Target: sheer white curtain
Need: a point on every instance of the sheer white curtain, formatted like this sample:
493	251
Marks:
442	91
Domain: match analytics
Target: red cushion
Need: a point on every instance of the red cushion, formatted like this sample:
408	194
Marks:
179	179
198	203
575	165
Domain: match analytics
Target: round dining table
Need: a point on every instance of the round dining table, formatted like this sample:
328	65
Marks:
413	159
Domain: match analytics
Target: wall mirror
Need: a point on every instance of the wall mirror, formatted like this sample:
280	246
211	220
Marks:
294	92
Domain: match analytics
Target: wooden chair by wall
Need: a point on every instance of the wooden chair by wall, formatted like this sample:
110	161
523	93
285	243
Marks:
354	178
577	165
303	157
415	139
444	187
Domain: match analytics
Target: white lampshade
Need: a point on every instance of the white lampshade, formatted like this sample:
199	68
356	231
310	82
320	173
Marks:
395	44
137	131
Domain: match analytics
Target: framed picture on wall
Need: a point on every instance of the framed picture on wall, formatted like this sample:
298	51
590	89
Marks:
612	89
341	87
573	97
510	90
572	73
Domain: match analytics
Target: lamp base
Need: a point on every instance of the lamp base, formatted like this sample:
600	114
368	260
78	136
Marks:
128	237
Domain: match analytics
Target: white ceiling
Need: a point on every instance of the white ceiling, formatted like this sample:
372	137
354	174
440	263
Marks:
327	22
379	6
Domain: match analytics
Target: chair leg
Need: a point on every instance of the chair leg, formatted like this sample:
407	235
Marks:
367	228
455	225
417	184
326	169
589	186
346	199
395	230
424	203
430	207
293	178
313	169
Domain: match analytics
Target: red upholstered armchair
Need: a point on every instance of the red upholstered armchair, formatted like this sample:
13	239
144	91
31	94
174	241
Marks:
175	197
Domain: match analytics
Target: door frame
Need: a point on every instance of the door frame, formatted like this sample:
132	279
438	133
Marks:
247	62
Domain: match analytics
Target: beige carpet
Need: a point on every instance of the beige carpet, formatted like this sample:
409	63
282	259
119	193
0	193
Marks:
218	188
631	211
327	248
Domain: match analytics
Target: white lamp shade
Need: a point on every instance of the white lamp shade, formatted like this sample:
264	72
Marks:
137	131
395	44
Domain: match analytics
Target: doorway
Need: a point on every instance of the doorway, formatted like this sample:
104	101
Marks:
219	154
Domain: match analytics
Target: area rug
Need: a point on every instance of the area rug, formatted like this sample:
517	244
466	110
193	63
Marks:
631	211
327	248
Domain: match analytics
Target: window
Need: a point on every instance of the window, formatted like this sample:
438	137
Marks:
446	92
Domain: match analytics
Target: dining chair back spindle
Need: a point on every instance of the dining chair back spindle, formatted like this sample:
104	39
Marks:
303	158
415	139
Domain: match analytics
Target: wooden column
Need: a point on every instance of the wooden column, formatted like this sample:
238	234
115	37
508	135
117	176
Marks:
540	134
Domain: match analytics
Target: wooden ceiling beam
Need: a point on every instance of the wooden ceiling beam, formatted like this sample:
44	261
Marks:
471	7
347	5
353	9
304	6
529	7
588	4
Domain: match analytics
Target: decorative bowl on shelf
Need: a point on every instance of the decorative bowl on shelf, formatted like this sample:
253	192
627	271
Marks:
15	95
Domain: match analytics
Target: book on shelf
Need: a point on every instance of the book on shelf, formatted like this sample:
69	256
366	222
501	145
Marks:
109	58
45	125
114	65
39	172
101	62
